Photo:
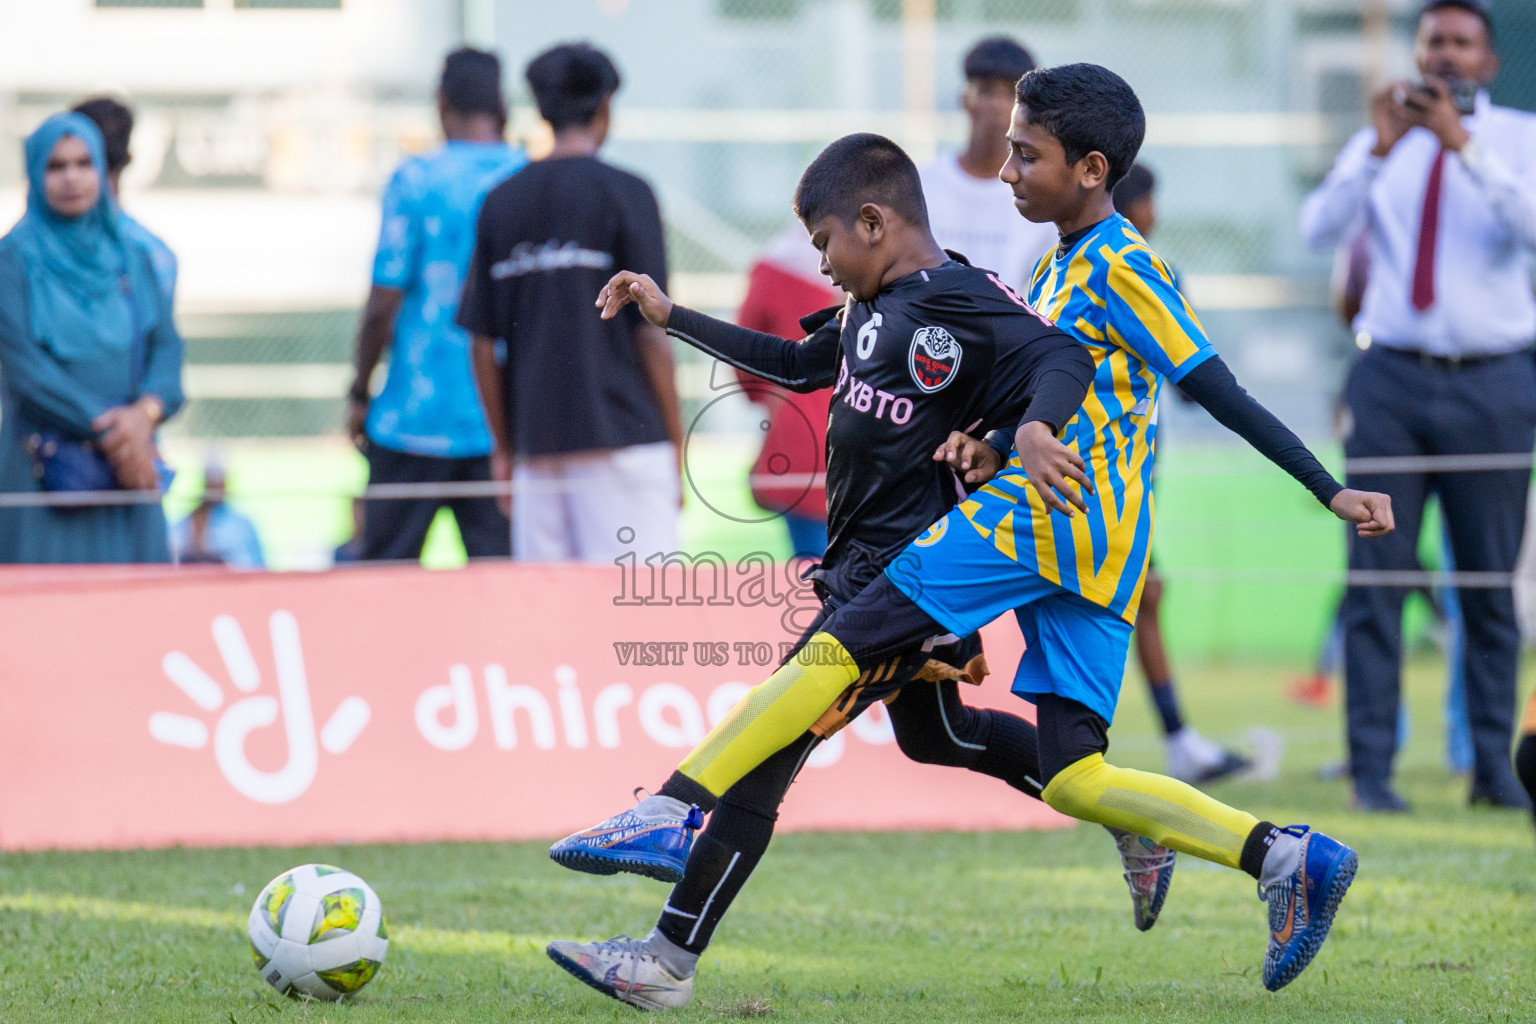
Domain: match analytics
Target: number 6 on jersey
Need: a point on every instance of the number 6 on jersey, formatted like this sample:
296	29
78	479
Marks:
866	340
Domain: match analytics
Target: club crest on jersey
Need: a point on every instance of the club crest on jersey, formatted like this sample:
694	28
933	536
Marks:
933	534
934	358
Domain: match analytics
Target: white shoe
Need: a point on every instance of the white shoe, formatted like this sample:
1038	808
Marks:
1194	759
625	969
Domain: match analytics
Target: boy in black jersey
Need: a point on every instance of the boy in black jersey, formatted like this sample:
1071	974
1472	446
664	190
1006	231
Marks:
926	346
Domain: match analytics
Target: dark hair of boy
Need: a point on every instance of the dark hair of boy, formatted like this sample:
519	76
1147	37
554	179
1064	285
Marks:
858	169
471	83
1477	7
116	123
1137	184
1087	108
571	82
997	57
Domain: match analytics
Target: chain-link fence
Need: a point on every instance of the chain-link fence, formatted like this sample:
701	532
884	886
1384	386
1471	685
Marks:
265	137
723	104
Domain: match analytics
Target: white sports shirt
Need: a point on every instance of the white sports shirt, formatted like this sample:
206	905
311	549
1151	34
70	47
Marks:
976	218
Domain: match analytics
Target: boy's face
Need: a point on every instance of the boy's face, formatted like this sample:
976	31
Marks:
1143	215
851	255
1045	187
987	102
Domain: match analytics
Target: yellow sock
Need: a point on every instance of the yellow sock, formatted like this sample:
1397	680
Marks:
1164	810
772	714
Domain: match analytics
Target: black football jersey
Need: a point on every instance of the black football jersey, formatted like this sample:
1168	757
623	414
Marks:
944	349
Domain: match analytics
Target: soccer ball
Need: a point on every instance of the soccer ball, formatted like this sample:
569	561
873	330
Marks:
318	931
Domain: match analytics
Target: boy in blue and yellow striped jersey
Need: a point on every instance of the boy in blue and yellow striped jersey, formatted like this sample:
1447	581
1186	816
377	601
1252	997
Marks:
1061	534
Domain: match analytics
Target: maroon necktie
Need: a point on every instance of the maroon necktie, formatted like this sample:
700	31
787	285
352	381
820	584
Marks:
1429	230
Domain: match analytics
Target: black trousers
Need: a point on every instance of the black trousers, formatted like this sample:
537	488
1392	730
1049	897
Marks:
396	528
1400	405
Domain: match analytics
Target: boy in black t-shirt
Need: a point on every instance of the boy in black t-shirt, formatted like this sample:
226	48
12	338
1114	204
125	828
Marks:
587	408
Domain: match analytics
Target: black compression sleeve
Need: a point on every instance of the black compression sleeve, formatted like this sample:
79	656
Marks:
799	366
1061	386
1212	385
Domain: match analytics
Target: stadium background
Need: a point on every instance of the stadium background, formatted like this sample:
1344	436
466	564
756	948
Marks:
267	128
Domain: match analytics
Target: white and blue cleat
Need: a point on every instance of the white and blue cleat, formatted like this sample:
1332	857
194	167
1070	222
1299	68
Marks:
625	969
1301	907
651	839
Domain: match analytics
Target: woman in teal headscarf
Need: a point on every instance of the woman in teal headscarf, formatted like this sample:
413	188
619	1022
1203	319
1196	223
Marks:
88	352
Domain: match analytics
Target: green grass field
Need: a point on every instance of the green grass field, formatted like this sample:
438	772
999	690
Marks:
1441	924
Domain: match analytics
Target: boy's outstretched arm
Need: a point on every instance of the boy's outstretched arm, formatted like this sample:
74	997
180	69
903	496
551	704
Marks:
1212	385
807	365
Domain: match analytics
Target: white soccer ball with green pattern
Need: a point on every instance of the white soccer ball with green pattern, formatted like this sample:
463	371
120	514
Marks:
318	931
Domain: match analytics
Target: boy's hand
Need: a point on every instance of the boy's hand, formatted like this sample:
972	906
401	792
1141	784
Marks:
1049	465
626	287
1370	510
974	461
357	423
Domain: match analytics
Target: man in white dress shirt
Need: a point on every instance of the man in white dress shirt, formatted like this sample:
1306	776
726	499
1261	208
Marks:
970	209
1444	185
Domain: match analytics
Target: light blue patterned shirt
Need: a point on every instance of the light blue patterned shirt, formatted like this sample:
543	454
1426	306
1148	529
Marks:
429	404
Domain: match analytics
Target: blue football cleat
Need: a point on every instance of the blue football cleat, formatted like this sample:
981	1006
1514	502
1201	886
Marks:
1301	908
652	839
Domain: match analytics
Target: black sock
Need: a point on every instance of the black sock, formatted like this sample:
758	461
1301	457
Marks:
1012	754
680	787
1167	701
1256	847
726	852
722	859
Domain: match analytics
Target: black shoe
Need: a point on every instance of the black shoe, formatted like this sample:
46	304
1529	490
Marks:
1378	798
1504	793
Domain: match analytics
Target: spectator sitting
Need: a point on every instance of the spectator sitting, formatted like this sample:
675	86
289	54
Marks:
215	532
587	406
116	124
89	357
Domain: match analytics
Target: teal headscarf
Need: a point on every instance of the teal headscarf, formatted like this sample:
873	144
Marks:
78	269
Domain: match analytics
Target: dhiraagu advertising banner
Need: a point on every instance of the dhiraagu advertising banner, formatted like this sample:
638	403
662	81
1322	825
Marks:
156	707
